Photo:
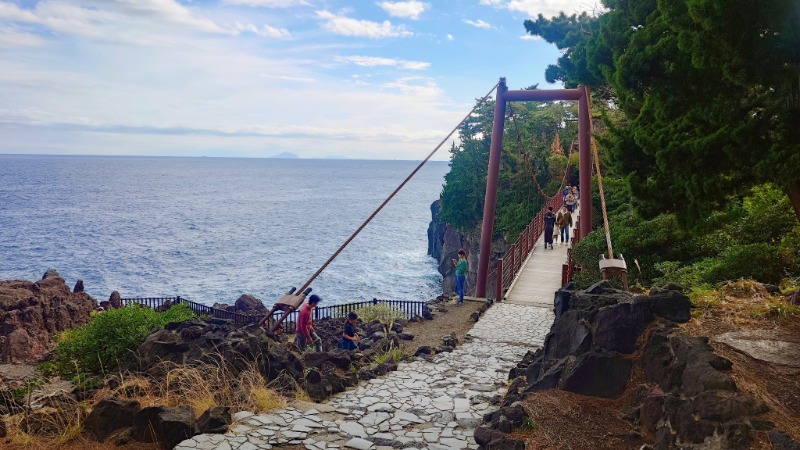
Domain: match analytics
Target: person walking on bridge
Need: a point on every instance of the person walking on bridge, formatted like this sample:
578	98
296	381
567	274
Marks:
549	224
304	331
461	274
564	222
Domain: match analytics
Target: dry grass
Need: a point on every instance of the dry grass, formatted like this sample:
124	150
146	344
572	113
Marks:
201	387
745	305
740	305
555	414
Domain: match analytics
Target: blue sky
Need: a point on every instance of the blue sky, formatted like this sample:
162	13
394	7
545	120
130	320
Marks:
253	78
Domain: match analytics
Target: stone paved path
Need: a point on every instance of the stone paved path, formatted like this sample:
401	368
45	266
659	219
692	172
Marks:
433	404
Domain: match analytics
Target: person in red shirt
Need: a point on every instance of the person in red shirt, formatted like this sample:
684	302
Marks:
305	333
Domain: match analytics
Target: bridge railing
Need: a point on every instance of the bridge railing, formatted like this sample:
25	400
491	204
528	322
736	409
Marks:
510	264
569	268
409	308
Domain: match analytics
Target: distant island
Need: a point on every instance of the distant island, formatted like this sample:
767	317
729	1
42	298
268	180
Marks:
285	155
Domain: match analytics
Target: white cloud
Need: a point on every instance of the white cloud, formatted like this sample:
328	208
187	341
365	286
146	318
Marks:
346	26
15	39
478	24
265	31
268	3
410	9
375	61
549	8
492	2
530	37
141	22
415	85
450	37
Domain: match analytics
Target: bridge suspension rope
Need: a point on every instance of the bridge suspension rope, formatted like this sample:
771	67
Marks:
523	150
413	172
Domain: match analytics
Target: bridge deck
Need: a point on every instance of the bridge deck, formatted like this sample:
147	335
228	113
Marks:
540	276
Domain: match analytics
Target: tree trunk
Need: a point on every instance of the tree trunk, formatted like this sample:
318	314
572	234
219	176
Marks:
793	191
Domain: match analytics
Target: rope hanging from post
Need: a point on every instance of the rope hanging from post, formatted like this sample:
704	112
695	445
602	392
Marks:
602	198
379	208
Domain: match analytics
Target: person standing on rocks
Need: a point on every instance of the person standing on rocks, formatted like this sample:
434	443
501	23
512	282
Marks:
461	274
305	332
350	338
549	225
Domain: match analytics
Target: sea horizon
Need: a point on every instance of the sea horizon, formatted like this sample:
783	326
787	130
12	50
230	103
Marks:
214	228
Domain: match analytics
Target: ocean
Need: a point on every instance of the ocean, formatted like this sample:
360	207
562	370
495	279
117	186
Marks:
212	229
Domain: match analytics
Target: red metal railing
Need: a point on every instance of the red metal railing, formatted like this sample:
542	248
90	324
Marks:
569	269
508	266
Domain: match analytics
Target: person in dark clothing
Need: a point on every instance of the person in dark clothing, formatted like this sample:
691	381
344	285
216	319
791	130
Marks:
549	224
350	338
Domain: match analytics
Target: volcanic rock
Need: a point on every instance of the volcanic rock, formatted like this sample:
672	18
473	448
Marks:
109	415
32	313
165	425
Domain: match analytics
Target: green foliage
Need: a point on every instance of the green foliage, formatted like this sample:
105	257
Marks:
761	262
109	337
380	312
46	369
393	356
701	122
522	164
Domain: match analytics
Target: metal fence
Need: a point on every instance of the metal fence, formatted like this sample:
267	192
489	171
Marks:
409	308
197	308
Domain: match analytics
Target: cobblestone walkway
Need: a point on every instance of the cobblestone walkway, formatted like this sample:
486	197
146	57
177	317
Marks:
434	404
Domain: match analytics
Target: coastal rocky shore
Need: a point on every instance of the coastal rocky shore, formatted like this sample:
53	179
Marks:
444	242
606	343
31	313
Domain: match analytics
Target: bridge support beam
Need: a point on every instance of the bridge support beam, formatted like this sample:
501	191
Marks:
581	94
492	180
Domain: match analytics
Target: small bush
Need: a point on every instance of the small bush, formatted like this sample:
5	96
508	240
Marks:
382	313
761	262
394	356
109	337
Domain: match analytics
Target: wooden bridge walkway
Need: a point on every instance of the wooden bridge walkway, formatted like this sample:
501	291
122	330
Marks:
540	276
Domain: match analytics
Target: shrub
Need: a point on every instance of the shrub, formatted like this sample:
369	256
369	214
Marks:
761	262
101	344
382	313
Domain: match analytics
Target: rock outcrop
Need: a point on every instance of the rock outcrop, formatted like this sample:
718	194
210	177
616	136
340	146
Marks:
444	242
687	397
32	313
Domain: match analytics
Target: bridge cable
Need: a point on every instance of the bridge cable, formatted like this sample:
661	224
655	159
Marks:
525	152
379	208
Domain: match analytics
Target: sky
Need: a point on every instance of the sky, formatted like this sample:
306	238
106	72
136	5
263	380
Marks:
255	78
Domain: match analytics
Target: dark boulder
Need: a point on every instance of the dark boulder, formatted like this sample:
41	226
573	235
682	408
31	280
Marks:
214	420
618	327
598	374
109	415
115	300
424	350
248	304
78	287
670	304
782	441
163	424
338	357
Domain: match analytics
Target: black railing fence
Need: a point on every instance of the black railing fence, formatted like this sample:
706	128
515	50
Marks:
409	308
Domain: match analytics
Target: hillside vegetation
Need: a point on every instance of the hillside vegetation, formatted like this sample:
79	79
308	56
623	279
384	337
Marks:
699	146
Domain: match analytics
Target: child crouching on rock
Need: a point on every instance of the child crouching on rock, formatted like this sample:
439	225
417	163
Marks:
349	339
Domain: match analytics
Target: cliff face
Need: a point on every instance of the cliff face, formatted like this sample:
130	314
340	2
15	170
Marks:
32	313
444	242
